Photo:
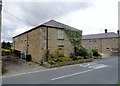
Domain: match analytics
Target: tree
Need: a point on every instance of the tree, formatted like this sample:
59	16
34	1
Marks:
6	45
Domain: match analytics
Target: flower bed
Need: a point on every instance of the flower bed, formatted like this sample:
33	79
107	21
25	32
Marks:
57	64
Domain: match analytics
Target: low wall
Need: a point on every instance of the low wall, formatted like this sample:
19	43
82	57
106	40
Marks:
45	64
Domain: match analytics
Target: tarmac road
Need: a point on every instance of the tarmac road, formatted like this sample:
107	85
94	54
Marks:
100	71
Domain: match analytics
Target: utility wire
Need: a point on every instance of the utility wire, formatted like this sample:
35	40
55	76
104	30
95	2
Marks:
17	17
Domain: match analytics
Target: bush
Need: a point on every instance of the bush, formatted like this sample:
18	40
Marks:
51	62
95	52
62	59
6	51
80	57
72	55
89	54
56	54
82	52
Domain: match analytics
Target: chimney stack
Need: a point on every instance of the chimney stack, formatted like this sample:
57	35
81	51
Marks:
105	30
118	31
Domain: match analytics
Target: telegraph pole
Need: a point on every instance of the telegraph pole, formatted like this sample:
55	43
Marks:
0	24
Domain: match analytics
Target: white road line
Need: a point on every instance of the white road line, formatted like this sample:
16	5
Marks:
38	71
28	73
72	74
78	73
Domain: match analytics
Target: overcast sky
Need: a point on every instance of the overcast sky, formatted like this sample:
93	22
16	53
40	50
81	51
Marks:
90	16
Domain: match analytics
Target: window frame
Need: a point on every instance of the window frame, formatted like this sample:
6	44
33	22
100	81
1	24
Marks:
60	34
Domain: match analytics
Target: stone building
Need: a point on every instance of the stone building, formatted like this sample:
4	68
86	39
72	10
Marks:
106	43
47	36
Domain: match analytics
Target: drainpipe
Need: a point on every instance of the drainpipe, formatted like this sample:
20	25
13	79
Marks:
46	43
118	42
13	43
27	44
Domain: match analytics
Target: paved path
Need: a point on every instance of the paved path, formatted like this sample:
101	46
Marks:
102	71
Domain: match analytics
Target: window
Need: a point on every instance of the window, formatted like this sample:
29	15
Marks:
60	47
108	48
89	41
60	34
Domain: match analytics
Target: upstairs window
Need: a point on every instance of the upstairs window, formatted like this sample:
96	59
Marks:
60	34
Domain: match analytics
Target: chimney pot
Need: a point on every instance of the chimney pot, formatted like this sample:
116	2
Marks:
105	30
118	31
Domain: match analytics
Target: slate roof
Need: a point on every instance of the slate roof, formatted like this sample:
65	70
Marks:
51	23
100	36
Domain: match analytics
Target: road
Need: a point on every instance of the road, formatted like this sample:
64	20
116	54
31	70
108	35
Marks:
100	71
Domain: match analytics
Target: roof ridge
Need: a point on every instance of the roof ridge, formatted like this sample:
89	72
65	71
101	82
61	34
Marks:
100	33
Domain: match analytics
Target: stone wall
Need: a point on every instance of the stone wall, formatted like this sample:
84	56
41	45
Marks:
34	43
103	45
54	43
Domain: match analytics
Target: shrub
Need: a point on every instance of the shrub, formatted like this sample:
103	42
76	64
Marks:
6	50
62	59
57	54
95	52
82	52
80	57
89	54
51	62
72	54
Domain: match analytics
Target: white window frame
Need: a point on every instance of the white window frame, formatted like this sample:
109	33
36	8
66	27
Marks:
60	34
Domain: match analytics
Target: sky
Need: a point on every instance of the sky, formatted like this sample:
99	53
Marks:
90	16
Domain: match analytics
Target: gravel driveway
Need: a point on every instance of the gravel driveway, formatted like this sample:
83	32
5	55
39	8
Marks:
15	65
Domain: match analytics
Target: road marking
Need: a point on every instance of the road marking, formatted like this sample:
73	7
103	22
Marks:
38	71
72	74
48	69
93	65
78	73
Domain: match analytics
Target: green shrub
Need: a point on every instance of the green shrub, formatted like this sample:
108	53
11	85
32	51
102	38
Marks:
80	57
89	54
62	59
82	52
6	50
56	54
51	62
95	52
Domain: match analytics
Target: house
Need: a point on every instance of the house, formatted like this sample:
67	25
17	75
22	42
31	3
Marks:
51	36
106	43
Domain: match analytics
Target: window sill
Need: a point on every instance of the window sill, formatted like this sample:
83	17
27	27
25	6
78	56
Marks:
60	39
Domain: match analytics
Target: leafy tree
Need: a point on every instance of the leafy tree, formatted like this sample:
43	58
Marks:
6	45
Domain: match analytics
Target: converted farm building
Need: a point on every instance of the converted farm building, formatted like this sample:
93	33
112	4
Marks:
107	43
47	36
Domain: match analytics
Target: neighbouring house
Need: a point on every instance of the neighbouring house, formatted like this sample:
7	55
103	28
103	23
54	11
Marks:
106	43
51	36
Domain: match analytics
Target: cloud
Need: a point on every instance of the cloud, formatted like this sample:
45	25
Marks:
30	14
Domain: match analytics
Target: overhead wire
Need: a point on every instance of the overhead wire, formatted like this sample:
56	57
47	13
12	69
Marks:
18	18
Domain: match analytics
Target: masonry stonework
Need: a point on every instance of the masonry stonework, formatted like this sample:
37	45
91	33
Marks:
34	41
104	46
